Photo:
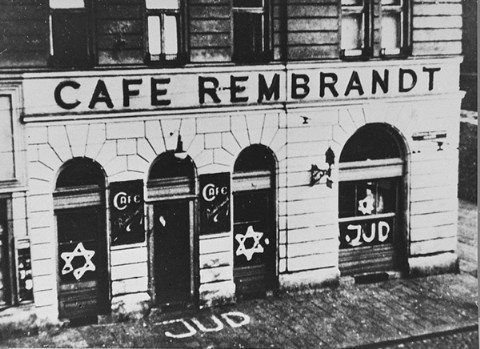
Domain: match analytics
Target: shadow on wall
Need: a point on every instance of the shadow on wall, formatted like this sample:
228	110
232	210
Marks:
467	175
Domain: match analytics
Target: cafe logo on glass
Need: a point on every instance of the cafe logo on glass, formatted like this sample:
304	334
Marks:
215	203
126	212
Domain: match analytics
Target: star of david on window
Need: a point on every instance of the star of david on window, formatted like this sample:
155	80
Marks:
79	251
256	248
366	205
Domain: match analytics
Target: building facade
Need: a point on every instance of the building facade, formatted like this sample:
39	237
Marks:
166	154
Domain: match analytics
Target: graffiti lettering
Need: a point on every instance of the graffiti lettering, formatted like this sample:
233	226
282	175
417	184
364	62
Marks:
368	236
184	329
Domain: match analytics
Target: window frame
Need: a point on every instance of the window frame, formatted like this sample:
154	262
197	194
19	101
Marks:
182	55
265	11
372	13
87	13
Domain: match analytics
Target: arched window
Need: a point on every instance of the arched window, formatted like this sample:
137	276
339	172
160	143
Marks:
79	202
371	173
254	232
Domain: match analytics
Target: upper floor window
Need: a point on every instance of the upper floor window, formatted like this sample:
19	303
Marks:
69	33
250	31
164	22
370	28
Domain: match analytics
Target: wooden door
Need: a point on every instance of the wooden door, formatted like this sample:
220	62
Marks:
172	253
82	262
254	243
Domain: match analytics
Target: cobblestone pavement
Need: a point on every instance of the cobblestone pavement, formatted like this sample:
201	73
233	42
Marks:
468	237
346	316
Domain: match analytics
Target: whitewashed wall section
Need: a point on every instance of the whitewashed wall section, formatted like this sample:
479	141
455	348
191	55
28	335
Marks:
125	149
309	229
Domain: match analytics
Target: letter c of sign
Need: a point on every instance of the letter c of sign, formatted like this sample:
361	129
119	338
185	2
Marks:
58	94
117	201
207	191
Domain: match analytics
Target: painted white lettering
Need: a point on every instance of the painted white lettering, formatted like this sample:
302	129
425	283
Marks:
370	238
202	328
191	330
121	200
383	230
210	192
231	316
356	241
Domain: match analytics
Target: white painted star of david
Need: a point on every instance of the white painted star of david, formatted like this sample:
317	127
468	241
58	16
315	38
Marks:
366	204
256	248
79	251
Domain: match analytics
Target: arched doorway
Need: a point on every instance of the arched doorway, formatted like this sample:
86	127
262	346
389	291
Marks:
254	233
371	202
79	203
171	196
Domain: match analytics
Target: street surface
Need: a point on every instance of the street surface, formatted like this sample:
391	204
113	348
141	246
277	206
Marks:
346	316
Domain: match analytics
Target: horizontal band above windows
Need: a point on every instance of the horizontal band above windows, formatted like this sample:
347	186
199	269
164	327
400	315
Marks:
366	218
254	180
168	187
73	197
358	170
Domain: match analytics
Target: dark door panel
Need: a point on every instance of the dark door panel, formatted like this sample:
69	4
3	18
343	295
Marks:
172	253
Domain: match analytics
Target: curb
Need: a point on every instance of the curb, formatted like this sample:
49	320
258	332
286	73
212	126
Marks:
414	338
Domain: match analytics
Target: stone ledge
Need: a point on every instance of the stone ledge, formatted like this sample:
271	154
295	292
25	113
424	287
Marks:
433	265
310	279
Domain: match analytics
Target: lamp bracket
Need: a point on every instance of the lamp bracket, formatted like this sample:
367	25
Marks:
316	174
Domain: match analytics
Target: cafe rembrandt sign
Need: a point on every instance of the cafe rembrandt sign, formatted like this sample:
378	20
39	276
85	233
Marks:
190	88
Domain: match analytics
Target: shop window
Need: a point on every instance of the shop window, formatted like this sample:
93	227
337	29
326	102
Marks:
359	34
250	31
5	282
25	283
69	34
367	212
164	24
371	171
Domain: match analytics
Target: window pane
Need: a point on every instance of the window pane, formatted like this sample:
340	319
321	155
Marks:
248	36
25	292
69	33
79	225
247	3
171	35
391	30
352	32
163	4
6	140
67	3
154	35
347	203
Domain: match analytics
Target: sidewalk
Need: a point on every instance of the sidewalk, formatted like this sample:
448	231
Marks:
345	316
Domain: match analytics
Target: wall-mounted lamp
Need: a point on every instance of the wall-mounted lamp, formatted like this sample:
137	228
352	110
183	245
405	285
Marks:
179	153
316	173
